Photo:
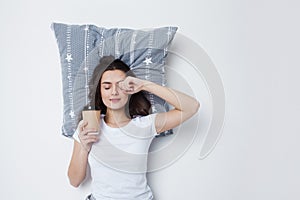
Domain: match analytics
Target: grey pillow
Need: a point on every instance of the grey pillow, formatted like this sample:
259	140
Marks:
82	46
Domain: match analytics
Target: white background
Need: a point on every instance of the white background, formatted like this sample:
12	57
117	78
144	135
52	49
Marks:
253	43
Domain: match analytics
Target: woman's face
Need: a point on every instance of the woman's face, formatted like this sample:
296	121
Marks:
112	96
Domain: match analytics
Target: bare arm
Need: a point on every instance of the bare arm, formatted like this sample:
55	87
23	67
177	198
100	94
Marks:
184	105
79	160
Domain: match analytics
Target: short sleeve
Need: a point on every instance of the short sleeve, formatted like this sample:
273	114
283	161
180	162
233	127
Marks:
143	126
153	128
75	135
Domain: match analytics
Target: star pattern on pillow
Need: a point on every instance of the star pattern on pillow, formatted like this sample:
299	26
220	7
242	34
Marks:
82	46
69	57
147	61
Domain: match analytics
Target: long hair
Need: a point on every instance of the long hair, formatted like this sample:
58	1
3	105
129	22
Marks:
137	104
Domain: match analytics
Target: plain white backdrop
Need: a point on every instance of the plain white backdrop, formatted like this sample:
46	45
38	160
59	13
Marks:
253	43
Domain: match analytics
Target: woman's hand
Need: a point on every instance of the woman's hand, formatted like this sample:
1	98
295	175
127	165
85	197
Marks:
131	85
87	136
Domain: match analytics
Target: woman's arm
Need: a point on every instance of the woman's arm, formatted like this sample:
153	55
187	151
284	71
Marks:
78	165
79	159
184	105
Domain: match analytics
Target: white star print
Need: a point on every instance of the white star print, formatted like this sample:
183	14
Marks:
169	33
69	57
72	115
147	61
86	28
85	69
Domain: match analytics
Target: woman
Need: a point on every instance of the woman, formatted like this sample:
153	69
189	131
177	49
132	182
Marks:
119	172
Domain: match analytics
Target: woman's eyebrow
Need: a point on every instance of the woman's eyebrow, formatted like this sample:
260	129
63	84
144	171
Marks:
106	82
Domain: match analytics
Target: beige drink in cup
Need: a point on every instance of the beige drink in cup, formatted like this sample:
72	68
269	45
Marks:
93	119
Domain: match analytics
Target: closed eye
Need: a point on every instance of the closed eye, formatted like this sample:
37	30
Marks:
106	85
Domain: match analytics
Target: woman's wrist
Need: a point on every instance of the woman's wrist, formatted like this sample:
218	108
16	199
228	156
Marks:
84	150
147	85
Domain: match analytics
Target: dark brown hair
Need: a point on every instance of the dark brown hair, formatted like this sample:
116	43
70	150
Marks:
137	104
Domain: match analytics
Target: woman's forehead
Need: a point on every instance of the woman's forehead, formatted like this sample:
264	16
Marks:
113	76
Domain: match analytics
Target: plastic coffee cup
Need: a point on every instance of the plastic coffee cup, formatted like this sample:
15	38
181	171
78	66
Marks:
93	119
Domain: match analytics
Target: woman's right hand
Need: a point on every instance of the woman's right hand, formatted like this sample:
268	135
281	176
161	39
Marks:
86	138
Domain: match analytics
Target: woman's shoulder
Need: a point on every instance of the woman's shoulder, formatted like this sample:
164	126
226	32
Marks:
144	120
146	124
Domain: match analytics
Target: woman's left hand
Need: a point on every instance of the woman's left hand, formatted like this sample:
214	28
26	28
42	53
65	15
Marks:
131	85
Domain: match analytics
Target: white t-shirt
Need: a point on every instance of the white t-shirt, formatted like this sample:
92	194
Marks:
118	161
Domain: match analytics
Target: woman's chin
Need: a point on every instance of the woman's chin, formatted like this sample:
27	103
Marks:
115	106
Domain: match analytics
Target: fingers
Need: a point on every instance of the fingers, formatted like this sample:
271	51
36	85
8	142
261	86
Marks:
83	130
88	131
88	139
82	124
130	85
87	135
125	85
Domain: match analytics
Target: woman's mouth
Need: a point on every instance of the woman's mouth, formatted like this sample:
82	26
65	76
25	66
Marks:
115	100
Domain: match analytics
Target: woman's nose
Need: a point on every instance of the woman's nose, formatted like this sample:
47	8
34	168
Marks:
115	90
